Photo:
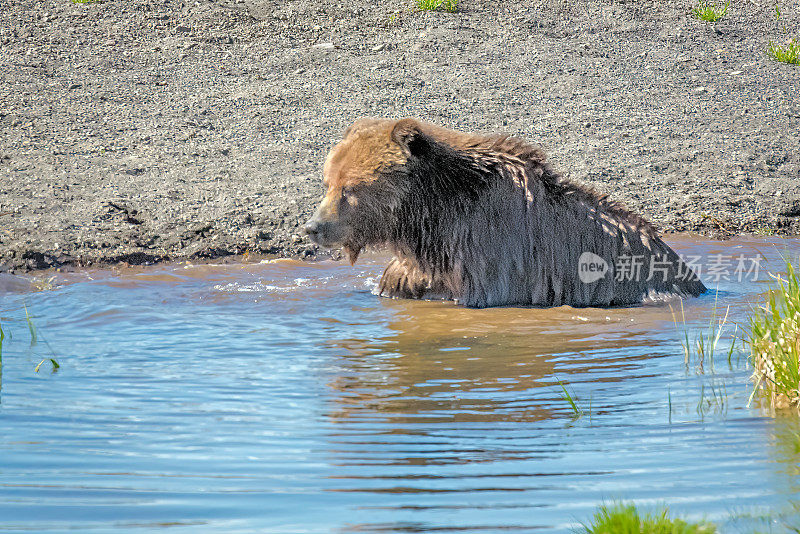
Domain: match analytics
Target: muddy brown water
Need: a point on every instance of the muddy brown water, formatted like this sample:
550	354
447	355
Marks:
286	397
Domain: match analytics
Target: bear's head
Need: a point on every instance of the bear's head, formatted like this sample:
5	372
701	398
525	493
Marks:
366	176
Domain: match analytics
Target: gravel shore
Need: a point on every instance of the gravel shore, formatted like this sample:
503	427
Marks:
142	131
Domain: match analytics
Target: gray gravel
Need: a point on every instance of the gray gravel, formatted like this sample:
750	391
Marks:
146	130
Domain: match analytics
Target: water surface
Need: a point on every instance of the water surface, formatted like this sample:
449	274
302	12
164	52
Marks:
286	397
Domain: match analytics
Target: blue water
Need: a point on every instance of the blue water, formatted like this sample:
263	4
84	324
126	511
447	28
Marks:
286	397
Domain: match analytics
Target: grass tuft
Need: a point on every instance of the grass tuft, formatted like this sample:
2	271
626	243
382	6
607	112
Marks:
774	339
626	519
716	401
451	6
705	342
34	340
710	12
788	53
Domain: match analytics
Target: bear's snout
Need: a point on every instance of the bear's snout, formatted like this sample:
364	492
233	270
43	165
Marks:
312	229
322	232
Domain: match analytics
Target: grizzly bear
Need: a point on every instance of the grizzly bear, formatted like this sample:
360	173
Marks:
485	221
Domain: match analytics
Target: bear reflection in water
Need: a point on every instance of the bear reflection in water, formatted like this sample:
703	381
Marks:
485	221
436	363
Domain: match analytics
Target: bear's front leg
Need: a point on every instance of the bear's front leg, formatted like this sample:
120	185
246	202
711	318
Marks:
401	279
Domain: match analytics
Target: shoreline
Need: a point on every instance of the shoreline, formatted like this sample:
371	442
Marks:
681	241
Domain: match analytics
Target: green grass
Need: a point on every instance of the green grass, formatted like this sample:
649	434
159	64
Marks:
701	349
31	327
53	363
626	519
774	340
704	346
710	12
451	6
570	398
669	402
788	53
713	399
34	340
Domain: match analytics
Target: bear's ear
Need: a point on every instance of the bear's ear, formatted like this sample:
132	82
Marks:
408	135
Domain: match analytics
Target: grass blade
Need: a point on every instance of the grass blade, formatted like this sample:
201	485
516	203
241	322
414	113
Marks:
31	326
571	401
669	400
